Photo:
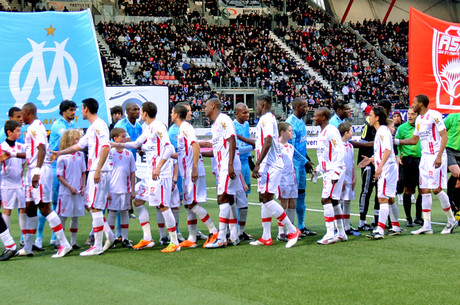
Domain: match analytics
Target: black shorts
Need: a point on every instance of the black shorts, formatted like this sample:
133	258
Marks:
409	176
453	156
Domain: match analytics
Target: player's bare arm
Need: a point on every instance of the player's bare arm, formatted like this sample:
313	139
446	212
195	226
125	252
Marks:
232	148
263	154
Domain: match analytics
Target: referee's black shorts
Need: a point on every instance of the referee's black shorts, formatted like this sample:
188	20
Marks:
409	176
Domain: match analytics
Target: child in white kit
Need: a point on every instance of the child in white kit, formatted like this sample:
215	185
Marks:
122	184
71	173
288	187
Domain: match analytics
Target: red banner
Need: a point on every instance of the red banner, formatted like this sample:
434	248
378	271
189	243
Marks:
434	61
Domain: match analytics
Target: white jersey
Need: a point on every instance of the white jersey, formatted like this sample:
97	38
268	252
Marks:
185	139
222	129
123	166
384	141
349	162
71	167
268	127
427	128
36	136
13	168
95	138
154	139
288	172
330	151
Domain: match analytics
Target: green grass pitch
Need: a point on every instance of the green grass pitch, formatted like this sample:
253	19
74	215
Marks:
396	270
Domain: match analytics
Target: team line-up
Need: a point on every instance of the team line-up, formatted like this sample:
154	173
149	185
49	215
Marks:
175	174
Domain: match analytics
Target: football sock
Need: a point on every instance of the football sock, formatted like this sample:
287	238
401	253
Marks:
407	203
98	228
445	204
143	215
346	214
201	213
418	207
6	218
427	202
73	230
300	210
161	224
40	225
55	225
280	228
7	239
339	218
192	224
224	214
232	223
266	215
279	213
63	221
118	228
383	215
22	221
29	233
170	222
111	218
329	219
124	224
108	231
176	215
394	216
242	220
291	214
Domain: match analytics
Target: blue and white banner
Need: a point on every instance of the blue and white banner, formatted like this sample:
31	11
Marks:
49	57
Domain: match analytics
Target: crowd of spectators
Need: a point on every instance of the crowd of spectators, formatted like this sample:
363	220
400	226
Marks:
390	38
157	8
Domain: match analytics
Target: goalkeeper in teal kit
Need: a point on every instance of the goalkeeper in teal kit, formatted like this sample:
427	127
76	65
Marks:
301	162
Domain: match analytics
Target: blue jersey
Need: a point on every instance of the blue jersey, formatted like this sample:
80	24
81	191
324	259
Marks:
172	133
133	131
299	140
57	130
20	140
244	148
336	121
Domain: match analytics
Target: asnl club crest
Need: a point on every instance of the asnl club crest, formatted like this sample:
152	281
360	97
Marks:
446	67
47	73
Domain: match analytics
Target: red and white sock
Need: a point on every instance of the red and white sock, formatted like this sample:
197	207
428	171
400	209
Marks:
427	202
170	222
191	223
445	204
56	226
73	230
6	218
124	224
22	221
242	220
98	228
280	228
161	224
279	213
29	232
111	219
346	214
8	240
338	214
144	220
383	216
232	222
108	231
394	216
329	219
203	215
266	215
224	214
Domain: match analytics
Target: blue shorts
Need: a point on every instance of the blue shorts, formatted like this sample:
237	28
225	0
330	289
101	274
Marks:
246	172
301	177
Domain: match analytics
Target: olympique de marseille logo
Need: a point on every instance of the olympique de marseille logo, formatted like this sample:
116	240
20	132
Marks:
446	66
37	72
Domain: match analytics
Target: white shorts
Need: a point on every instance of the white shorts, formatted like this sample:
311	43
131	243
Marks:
119	202
143	189
347	192
44	192
71	205
194	192
175	198
269	180
431	177
332	190
160	192
13	199
96	194
386	185
225	184
288	191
